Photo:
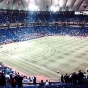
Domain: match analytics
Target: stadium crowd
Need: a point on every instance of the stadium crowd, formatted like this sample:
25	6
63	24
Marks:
29	16
14	79
75	78
15	34
27	33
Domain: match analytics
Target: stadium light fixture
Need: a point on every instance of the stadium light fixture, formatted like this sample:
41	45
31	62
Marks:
70	9
26	0
4	8
54	8
33	7
60	3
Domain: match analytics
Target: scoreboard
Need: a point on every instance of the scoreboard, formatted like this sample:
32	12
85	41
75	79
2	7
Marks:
81	12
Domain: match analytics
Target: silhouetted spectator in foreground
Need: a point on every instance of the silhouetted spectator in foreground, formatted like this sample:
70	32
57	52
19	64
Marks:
66	78
2	80
62	79
41	83
13	83
80	77
74	78
19	81
34	80
16	77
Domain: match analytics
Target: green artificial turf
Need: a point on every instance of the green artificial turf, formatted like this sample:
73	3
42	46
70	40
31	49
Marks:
46	55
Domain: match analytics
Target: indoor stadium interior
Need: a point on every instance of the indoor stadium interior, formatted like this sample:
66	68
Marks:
43	43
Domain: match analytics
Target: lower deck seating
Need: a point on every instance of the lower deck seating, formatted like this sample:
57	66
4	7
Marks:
53	86
27	33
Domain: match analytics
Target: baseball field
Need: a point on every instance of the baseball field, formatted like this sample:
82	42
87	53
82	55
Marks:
43	57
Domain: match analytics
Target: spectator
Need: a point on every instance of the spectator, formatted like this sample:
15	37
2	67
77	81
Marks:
85	75
7	76
66	78
70	79
13	83
62	78
74	78
34	81
85	80
46	83
19	81
80	77
2	80
41	83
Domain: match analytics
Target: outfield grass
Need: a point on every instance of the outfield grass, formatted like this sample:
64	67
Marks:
44	56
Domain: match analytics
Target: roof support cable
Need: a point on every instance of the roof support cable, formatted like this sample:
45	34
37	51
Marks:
80	5
12	6
65	5
23	5
73	4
